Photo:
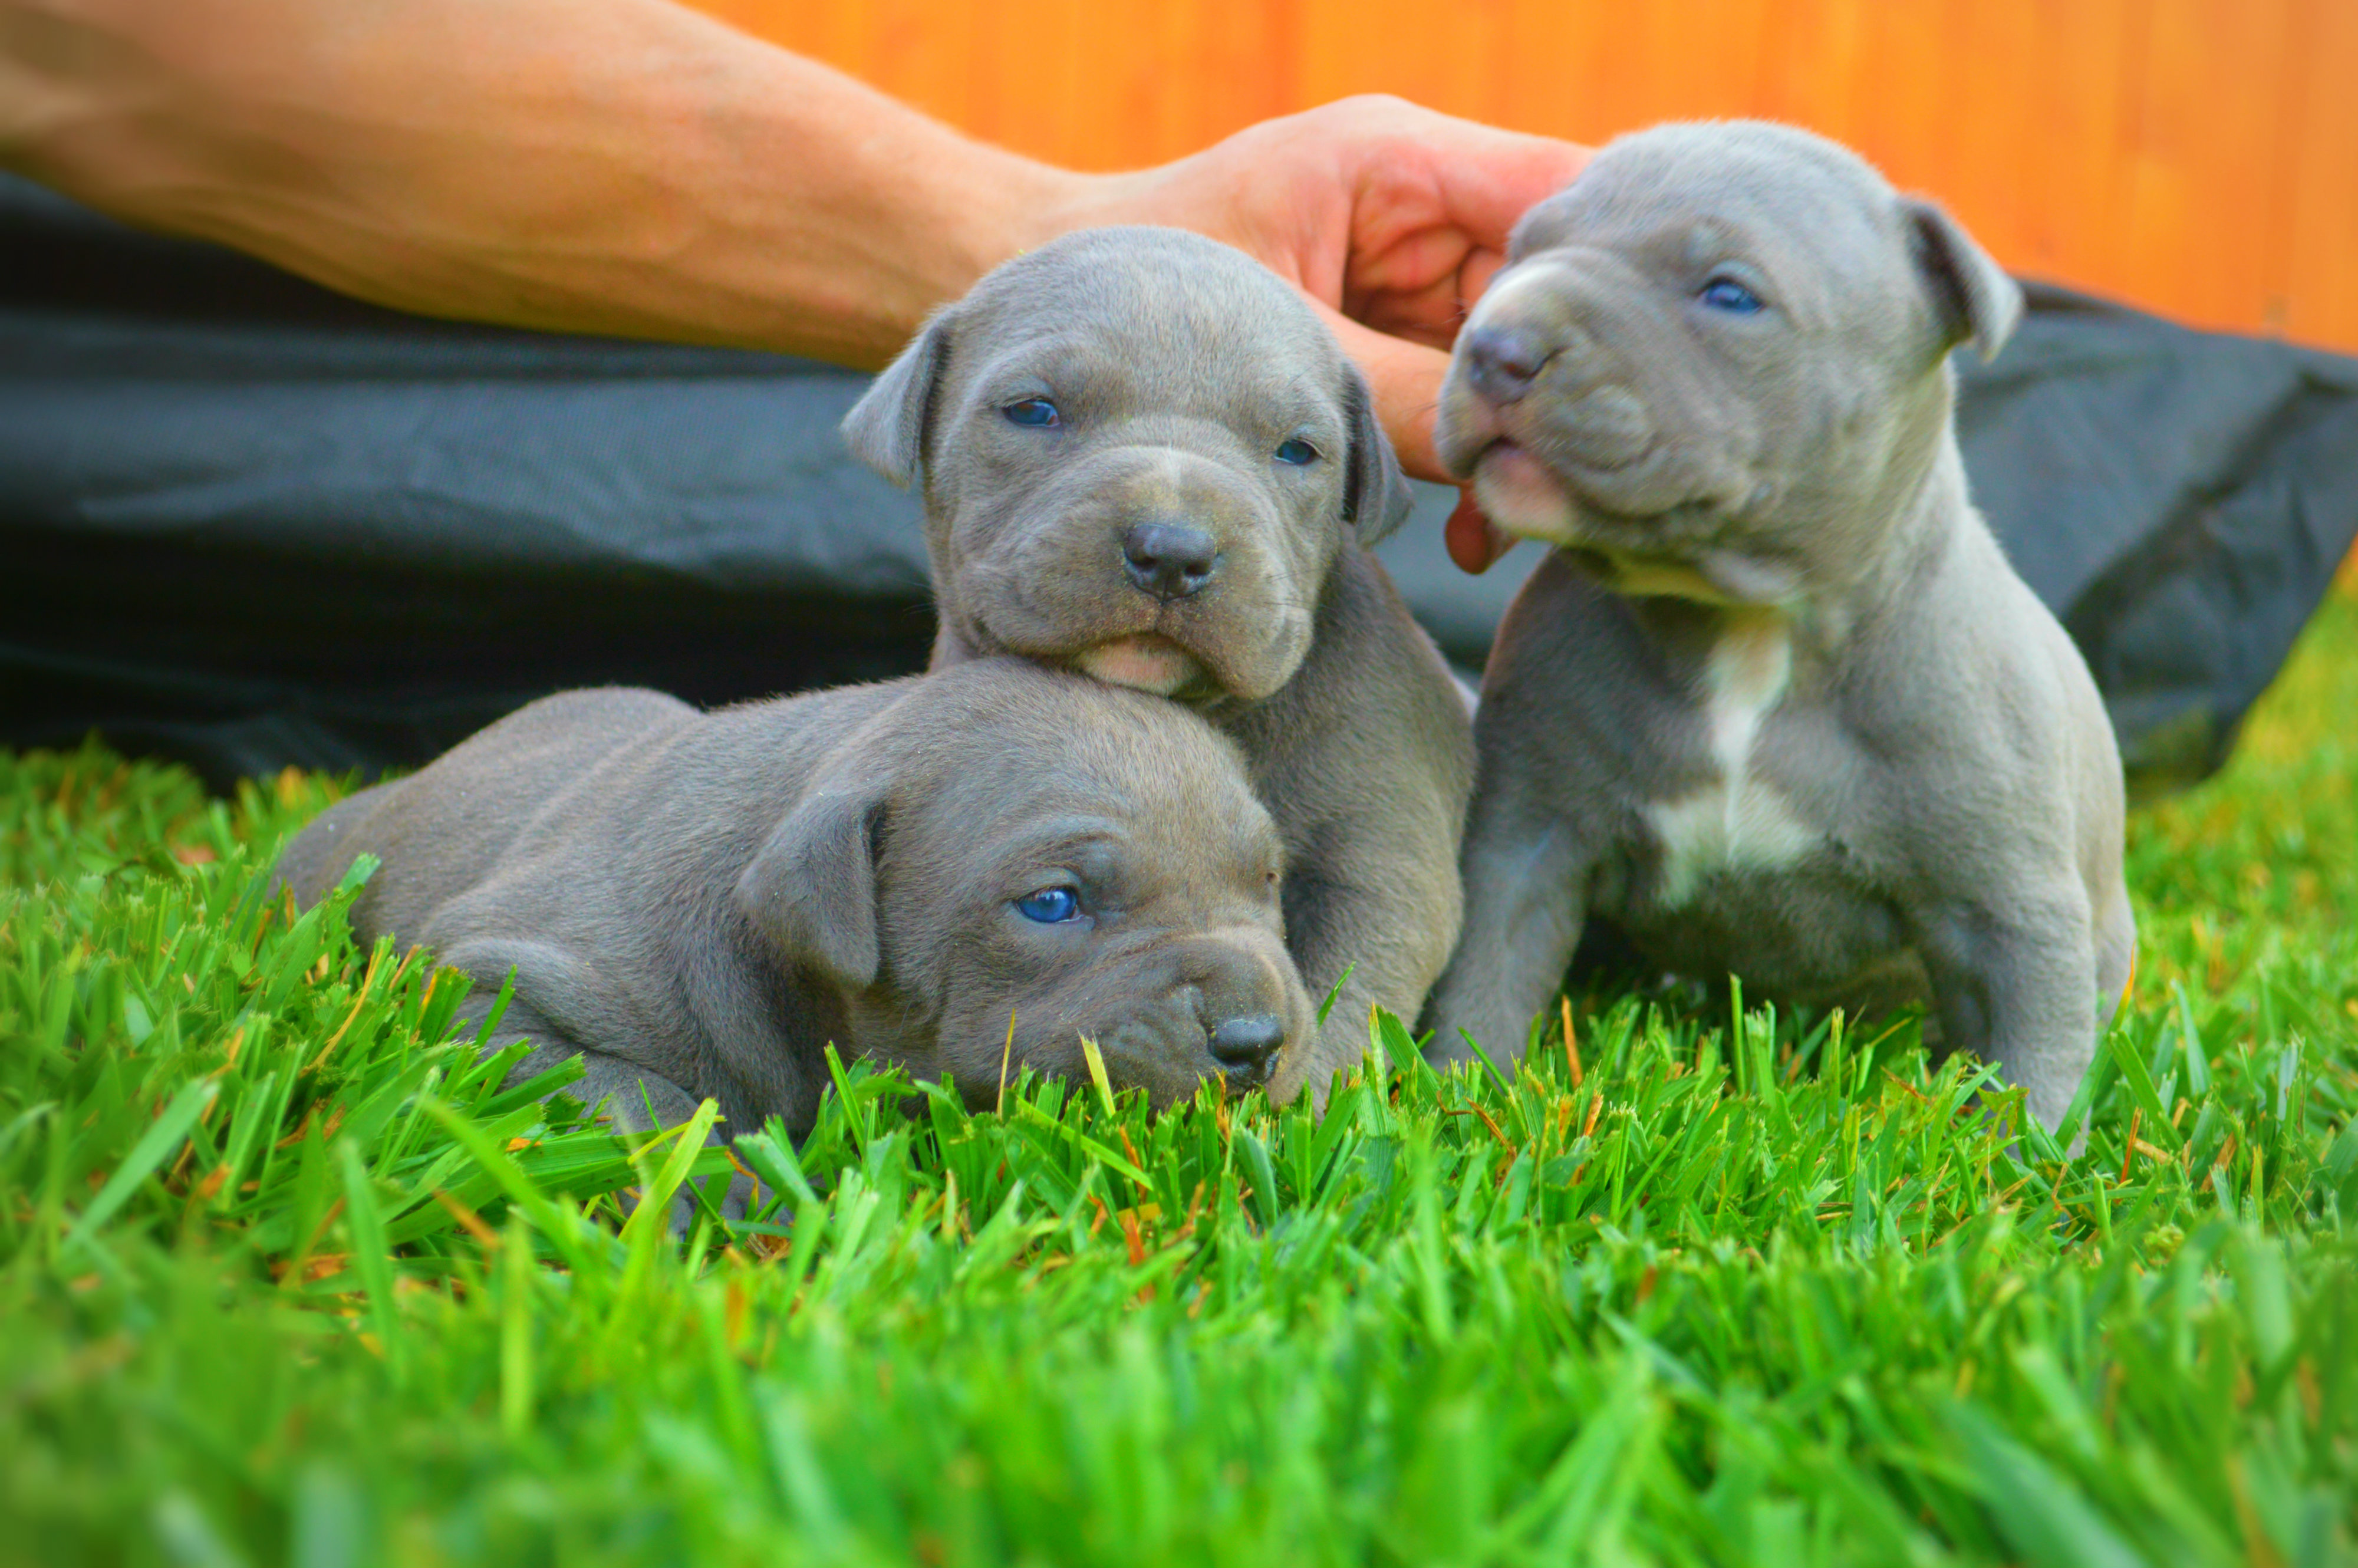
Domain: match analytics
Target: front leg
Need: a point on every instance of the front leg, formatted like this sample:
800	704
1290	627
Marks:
2014	980
627	1098
1385	911
1525	905
1365	759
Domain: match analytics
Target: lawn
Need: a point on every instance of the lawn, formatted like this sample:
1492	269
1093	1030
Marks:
286	1277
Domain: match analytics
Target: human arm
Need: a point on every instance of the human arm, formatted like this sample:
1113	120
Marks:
627	167
634	168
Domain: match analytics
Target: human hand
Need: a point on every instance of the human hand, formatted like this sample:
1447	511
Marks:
1391	218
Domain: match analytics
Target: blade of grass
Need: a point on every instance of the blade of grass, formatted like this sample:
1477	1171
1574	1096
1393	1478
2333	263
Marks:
161	1141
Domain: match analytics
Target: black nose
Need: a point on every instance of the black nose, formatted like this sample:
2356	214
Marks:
1169	560
1246	1046
1503	361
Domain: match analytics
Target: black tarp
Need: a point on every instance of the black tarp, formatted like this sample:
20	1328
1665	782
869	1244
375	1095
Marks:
246	521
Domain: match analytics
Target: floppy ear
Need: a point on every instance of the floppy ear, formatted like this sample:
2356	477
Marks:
812	889
886	429
1375	492
1977	303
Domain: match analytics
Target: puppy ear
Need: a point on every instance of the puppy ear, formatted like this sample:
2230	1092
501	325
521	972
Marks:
1376	495
812	889
886	429
1977	303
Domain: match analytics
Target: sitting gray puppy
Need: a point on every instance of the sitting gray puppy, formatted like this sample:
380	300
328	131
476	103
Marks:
1776	704
696	903
1145	458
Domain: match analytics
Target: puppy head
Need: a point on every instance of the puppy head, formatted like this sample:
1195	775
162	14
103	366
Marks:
1142	453
1013	841
1716	364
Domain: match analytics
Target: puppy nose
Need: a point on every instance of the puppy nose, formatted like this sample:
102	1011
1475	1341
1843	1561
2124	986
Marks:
1246	1046
1169	560
1503	361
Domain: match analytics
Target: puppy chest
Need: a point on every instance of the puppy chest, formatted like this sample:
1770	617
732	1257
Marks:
1729	815
1746	865
1743	826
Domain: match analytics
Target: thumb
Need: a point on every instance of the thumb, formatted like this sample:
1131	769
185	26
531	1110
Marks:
1405	378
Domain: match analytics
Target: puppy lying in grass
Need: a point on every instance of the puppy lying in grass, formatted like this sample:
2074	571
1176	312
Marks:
1146	459
1777	705
698	903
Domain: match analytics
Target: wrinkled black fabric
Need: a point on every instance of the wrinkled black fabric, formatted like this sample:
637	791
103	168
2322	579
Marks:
246	521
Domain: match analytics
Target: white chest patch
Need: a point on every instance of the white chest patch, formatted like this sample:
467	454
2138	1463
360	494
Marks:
1739	822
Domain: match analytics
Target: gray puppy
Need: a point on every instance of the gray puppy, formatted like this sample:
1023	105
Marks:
696	903
1777	705
1145	458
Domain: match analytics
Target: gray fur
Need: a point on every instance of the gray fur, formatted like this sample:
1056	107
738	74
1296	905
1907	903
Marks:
1179	366
1777	706
696	903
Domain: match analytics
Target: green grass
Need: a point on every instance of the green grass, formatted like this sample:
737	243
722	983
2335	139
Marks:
284	1275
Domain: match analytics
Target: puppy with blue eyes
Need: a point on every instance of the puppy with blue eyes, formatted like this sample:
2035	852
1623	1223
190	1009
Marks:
1776	704
696	903
1146	459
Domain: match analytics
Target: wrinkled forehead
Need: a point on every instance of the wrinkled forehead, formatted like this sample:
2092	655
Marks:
1186	315
1096	763
1707	191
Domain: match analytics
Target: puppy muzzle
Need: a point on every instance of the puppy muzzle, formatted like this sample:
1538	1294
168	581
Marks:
1247	1046
1168	560
1150	568
1546	412
1226	1004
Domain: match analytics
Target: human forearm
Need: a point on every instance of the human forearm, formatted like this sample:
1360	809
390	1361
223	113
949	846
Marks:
631	166
628	167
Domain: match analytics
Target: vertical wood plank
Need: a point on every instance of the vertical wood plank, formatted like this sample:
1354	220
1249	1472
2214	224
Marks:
1985	137
1208	70
2081	69
1564	72
1813	67
1900	122
1405	47
2219	88
1651	63
2321	279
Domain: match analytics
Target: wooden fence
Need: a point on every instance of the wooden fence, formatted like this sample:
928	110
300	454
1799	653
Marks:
2199	157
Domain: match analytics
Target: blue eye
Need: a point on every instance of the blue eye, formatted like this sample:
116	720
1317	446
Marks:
1727	294
1297	451
1050	906
1033	413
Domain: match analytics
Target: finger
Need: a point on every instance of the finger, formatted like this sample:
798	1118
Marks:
1405	378
1474	277
1429	314
1488	178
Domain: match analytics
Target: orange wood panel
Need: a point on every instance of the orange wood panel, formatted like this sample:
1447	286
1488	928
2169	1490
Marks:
2320	288
1814	65
2196	156
1985	144
1206	69
1903	133
2082	68
1404	47
1569	71
2206	157
1701	63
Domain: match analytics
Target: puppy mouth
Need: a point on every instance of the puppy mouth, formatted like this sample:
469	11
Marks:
1147	661
1168	1060
1520	493
1638	508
